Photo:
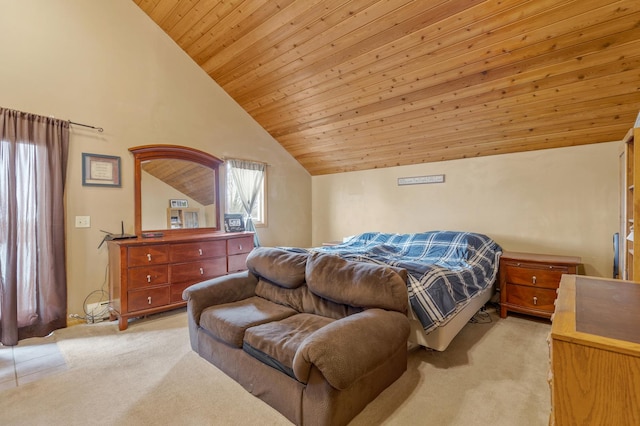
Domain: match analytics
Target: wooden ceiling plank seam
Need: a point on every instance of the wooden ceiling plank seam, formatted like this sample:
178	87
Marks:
619	89
146	5
202	40
236	25
199	36
577	137
433	11
385	58
411	78
283	18
378	104
478	94
307	26
162	9
529	144
313	67
484	112
177	14
345	38
195	21
508	124
522	115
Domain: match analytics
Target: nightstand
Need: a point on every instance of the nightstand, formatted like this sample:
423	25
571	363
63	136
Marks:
529	281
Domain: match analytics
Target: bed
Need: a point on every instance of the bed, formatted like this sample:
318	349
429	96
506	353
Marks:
451	275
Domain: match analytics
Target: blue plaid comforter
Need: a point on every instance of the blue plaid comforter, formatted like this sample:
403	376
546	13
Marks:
446	269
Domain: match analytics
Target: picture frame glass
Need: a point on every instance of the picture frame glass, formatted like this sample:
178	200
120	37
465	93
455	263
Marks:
100	170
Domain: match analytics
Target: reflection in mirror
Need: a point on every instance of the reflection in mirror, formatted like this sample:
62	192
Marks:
176	190
177	194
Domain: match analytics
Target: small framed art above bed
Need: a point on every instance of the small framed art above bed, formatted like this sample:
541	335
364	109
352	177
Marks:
451	275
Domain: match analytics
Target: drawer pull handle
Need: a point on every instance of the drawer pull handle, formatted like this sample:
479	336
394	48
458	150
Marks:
148	278
149	257
535	300
200	252
201	271
149	299
239	246
534	279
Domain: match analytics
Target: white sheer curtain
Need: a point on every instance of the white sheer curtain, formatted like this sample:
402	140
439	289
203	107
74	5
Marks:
33	160
247	178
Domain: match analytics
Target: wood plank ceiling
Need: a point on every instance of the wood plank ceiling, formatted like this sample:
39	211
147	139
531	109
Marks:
363	84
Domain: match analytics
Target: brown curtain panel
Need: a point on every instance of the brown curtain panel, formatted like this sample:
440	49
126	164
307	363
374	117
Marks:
33	282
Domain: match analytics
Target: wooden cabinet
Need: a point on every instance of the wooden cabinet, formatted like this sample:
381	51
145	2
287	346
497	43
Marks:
148	275
595	353
632	206
528	281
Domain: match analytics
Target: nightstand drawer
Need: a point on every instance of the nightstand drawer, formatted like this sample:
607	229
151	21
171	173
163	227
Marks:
528	281
530	275
530	297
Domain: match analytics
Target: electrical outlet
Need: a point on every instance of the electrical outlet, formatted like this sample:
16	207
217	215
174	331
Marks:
83	221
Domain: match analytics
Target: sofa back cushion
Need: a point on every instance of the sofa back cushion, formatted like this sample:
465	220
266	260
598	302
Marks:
357	284
303	300
280	267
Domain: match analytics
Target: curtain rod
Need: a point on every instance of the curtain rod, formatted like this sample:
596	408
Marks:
100	129
245	159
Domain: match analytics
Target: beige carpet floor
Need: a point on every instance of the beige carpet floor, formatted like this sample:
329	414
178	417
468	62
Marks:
492	374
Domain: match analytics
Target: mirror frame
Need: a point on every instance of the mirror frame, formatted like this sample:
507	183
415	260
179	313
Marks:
150	152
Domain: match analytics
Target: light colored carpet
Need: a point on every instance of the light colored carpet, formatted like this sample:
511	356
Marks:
492	373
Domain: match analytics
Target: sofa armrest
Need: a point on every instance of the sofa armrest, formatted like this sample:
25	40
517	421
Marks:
348	348
219	290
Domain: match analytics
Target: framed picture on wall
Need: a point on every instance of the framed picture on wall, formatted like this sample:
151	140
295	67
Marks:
176	204
100	170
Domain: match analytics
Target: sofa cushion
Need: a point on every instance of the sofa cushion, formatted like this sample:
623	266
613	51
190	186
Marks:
276	343
358	284
229	321
303	300
279	266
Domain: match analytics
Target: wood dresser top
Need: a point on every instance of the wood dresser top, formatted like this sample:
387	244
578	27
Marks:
598	312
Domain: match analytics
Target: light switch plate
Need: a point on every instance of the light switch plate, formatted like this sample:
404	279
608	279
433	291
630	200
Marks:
83	221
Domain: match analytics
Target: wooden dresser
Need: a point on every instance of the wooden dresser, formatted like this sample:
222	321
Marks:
148	275
595	353
528	281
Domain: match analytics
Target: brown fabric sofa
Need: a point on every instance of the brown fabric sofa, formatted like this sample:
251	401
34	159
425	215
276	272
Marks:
314	336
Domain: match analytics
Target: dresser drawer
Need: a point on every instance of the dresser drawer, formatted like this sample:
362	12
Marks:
198	271
148	298
185	252
148	255
177	289
237	263
535	275
239	245
531	297
145	276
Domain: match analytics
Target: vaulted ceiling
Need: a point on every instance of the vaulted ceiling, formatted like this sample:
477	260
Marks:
362	84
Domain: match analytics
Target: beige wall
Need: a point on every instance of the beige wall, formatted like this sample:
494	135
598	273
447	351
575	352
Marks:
105	63
559	201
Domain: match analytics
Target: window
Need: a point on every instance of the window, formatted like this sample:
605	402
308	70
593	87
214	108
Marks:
246	190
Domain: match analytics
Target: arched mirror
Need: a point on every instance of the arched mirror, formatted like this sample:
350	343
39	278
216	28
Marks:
176	190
